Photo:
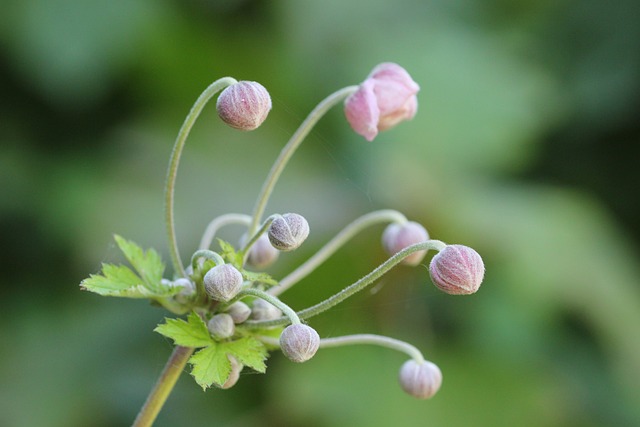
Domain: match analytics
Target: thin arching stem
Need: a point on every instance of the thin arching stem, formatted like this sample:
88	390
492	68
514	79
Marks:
219	222
334	244
288	150
379	340
355	287
290	314
172	171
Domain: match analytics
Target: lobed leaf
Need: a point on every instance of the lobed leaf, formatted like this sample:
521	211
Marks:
190	333
148	264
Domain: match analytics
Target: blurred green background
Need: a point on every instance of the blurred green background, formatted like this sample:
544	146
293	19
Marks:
525	147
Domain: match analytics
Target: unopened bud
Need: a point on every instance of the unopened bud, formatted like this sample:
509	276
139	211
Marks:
262	310
221	326
287	232
262	254
187	292
244	105
234	375
396	237
457	270
421	380
239	312
299	342
223	282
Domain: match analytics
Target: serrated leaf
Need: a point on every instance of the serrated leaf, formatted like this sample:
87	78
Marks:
230	255
190	333
120	281
212	366
147	264
260	277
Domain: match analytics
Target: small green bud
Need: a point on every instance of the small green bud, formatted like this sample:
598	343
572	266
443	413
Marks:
421	380
299	342
223	282
288	231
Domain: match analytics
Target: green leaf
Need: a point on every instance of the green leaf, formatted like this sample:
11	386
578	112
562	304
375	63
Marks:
230	255
120	281
148	264
261	277
212	366
192	333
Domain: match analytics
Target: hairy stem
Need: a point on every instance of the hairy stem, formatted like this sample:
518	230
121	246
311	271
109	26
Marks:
172	171
288	150
163	387
334	244
380	340
290	314
219	222
355	287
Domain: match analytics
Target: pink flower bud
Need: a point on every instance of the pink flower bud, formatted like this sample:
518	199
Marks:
421	380
244	105
457	270
287	232
262	254
223	282
384	99
221	326
396	237
299	342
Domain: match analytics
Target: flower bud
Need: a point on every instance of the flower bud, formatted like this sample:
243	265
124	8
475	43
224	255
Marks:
262	310
299	342
384	99
239	312
221	326
287	232
244	105
234	375
421	380
262	254
457	270
188	290
223	282
396	237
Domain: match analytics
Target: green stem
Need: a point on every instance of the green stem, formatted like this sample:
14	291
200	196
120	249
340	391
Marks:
288	311
263	228
334	244
163	387
380	340
219	222
172	171
288	150
355	287
205	253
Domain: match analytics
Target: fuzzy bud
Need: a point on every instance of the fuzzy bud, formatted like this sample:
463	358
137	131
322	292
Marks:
457	270
421	380
188	290
396	237
287	232
221	326
244	105
239	312
262	254
299	342
262	310
234	375
223	282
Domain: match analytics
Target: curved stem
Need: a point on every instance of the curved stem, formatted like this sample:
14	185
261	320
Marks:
334	244
380	340
163	387
219	222
288	150
264	227
288	311
205	253
355	287
173	166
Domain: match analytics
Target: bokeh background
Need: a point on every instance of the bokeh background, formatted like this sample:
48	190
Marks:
525	147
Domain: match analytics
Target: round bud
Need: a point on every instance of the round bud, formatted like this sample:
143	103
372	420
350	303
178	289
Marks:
223	282
262	254
244	105
239	312
287	232
262	310
221	326
234	375
299	342
421	380
457	270
396	237
188	290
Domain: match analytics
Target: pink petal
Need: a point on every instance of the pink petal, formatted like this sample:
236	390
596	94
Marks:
361	110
